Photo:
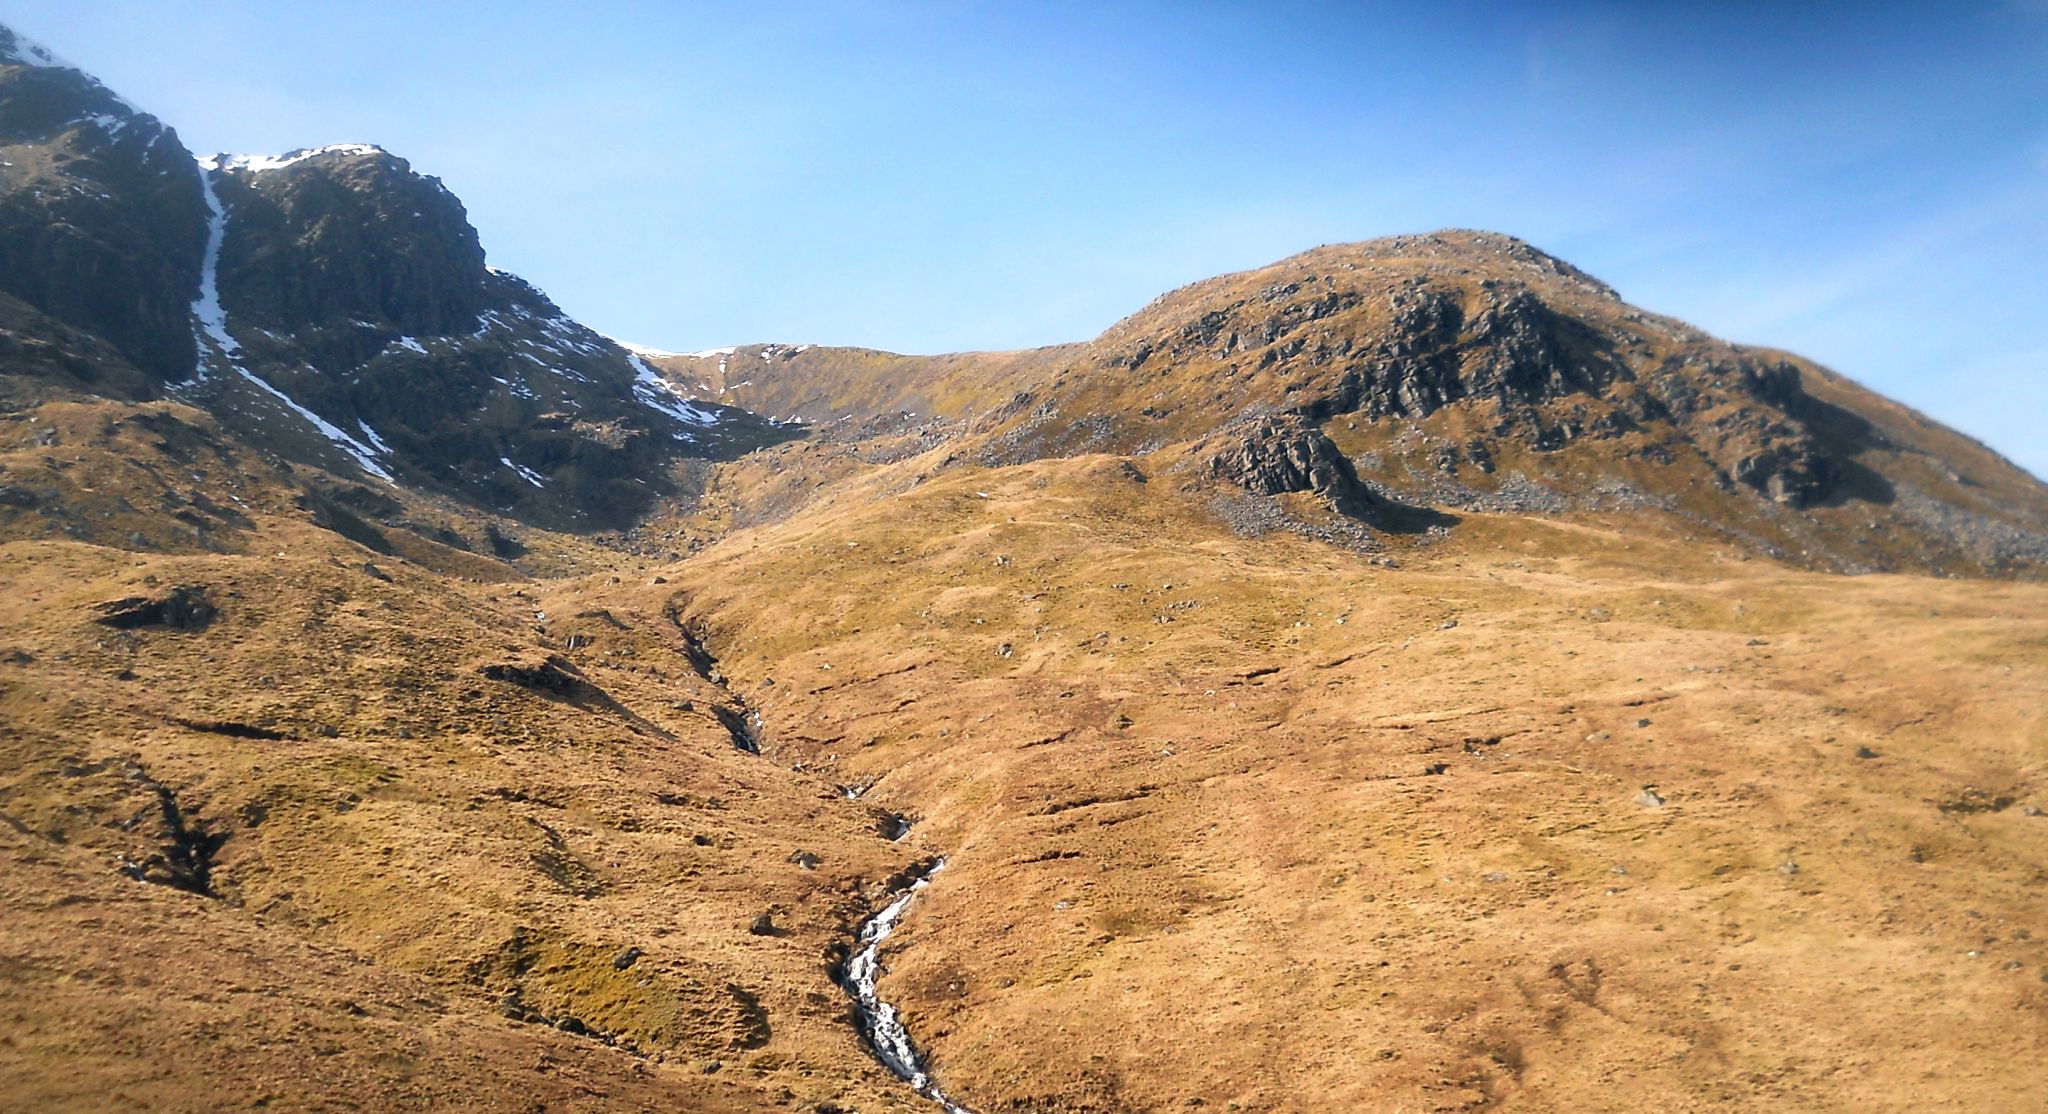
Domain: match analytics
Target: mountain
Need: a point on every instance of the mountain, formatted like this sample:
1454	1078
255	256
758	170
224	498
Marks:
1405	676
331	305
1458	371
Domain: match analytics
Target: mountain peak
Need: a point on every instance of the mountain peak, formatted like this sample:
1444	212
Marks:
17	49
1480	248
1394	654
1453	251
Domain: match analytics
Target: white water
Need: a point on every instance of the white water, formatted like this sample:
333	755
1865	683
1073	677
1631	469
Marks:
879	1020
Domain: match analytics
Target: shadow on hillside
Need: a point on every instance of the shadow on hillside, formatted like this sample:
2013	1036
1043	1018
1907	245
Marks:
1844	435
553	677
1379	508
1395	517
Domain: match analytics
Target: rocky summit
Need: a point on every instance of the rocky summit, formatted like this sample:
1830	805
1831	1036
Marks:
1404	676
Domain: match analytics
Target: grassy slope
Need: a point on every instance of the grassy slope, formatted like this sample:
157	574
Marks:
1188	809
1223	832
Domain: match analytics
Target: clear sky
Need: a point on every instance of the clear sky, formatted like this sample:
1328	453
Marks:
1865	183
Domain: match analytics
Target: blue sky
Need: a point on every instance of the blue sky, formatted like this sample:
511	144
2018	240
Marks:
1864	183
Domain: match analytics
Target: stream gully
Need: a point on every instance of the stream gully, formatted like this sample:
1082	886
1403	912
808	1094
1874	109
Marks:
880	1024
879	1021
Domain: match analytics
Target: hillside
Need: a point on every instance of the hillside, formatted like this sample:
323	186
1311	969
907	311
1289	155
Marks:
1406	676
1455	372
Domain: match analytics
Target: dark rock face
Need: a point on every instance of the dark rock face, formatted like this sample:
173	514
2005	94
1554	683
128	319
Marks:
102	224
347	237
1741	414
1510	348
1551	377
38	347
1285	453
550	673
185	845
357	287
1526	351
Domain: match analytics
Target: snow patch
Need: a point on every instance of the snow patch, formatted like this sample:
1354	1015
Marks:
527	474
213	326
109	123
659	393
20	50
258	164
410	344
28	52
354	448
519	389
646	352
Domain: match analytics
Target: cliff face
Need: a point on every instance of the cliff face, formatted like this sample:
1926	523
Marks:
1347	685
101	221
1531	350
333	244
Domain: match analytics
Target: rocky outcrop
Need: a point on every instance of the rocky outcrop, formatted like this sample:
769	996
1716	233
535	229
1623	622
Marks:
1741	413
1285	453
184	607
331	306
1273	456
1540	353
1441	346
546	673
184	845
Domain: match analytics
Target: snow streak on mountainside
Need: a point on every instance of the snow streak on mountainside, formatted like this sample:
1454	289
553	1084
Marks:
206	309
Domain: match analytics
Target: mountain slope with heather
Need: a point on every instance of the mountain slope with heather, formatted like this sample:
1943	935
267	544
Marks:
1405	676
